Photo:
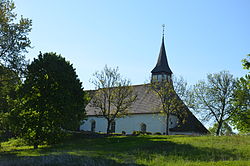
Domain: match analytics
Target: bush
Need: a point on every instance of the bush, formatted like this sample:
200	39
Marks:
16	142
136	133
157	133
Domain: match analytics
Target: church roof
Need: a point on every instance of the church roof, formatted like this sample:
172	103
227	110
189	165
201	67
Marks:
148	103
162	63
191	124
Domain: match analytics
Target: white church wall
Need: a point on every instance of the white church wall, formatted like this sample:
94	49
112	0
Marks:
154	123
185	133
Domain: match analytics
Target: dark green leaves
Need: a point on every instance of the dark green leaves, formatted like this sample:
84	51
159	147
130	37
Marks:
14	39
51	100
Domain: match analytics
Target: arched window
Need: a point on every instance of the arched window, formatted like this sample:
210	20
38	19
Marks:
93	125
143	127
112	130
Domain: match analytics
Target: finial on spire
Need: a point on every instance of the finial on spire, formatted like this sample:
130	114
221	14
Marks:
163	29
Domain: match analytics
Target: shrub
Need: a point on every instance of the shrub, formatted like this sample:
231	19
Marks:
136	133
157	133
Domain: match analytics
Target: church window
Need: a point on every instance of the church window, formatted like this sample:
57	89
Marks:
143	127
93	126
112	130
154	77
169	78
164	77
159	77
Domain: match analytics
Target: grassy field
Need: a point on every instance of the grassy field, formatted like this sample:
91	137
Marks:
132	150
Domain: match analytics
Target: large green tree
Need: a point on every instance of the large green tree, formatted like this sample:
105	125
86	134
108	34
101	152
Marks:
212	98
113	95
51	100
14	40
241	100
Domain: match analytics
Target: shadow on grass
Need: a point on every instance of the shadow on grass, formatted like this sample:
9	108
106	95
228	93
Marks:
63	159
120	151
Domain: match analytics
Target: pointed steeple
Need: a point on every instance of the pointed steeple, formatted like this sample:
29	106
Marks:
162	63
162	71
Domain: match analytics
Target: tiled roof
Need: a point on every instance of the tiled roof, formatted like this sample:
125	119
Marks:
146	102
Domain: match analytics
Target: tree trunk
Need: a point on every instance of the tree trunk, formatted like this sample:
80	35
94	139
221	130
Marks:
35	145
219	128
108	127
167	125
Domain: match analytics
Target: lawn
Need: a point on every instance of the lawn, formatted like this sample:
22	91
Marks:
132	150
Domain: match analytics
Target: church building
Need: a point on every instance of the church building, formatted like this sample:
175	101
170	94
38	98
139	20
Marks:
143	115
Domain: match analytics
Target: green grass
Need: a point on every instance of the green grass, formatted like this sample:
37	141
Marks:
131	150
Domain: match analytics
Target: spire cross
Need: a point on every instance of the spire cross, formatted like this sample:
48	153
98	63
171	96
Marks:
163	29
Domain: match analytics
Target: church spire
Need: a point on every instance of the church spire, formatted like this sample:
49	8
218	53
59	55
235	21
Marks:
163	29
162	70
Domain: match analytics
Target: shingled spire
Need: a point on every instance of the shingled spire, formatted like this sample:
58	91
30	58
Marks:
162	70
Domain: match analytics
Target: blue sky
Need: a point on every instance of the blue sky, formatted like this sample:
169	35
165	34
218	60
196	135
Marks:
201	36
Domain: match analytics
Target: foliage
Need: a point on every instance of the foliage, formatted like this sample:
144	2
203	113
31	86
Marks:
14	39
113	95
246	62
7	94
212	98
136	133
7	88
170	103
184	91
241	101
14	42
130	150
50	101
225	129
180	87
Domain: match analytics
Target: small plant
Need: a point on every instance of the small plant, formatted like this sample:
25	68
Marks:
157	133
123	133
136	133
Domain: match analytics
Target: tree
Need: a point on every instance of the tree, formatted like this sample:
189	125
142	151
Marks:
241	101
212	98
14	39
7	94
225	129
113	95
14	42
183	91
51	100
171	104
